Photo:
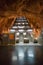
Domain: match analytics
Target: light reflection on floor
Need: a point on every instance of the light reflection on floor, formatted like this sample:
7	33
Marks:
27	55
21	55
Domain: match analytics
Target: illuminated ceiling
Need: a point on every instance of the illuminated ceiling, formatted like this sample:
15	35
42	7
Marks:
31	9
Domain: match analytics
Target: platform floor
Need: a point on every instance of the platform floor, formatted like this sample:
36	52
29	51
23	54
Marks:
21	55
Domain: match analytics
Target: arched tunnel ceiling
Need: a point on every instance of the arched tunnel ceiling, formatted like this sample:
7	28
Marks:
31	9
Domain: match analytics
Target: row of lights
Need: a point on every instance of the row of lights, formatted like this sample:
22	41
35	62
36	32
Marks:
12	30
21	23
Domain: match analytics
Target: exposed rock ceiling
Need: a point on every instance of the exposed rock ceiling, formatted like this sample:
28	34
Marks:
31	9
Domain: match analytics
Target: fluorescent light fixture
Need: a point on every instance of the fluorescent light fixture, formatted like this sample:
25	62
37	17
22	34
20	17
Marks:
12	31
25	38
24	33
14	27
29	30
18	23
23	23
21	30
21	26
17	33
